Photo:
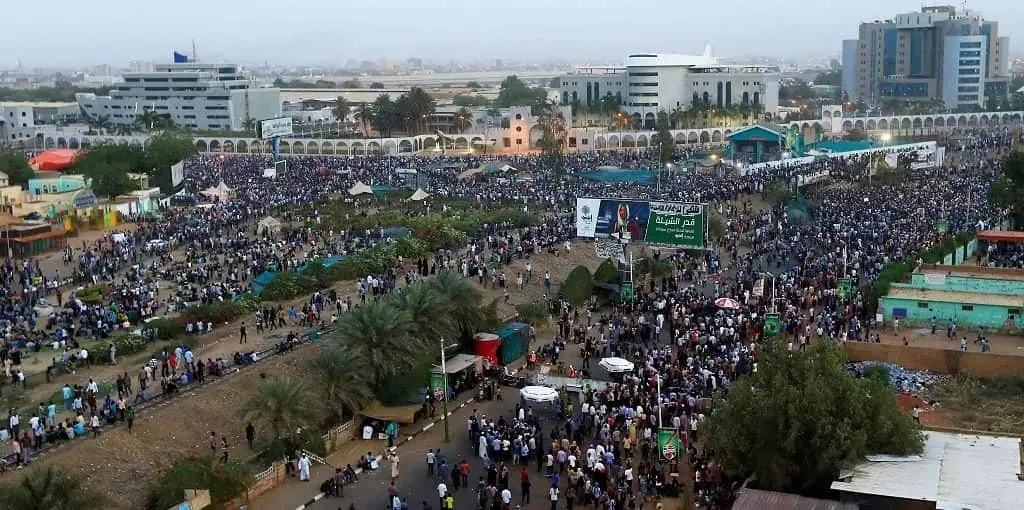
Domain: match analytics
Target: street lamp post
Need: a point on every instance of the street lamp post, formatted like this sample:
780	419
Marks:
444	401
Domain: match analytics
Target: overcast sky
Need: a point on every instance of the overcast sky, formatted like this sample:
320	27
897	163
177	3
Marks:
333	31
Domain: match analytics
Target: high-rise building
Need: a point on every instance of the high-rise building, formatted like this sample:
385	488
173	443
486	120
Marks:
937	54
197	95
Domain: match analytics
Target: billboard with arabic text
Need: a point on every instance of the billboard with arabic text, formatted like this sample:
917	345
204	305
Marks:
667	223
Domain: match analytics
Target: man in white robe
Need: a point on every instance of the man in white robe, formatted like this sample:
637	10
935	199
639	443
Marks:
304	468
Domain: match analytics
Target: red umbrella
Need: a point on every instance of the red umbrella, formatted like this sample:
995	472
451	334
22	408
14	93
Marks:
728	303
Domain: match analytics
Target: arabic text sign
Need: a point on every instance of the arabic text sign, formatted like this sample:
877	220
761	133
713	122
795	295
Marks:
272	128
668	223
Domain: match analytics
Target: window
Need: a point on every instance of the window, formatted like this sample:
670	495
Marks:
967	98
639	74
519	128
970	44
506	141
922	304
643	84
969	88
967	80
969	54
519	141
970	62
1013	311
967	308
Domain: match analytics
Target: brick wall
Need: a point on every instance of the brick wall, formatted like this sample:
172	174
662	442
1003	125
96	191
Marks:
983	365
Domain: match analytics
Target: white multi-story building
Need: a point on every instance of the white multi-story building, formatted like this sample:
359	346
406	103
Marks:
195	95
653	82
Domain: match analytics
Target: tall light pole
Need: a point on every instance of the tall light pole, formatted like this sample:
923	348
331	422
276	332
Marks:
444	378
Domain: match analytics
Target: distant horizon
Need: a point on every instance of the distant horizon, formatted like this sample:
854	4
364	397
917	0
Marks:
533	31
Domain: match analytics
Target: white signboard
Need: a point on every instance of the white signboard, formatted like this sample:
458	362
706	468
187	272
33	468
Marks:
272	128
586	216
269	173
935	279
177	173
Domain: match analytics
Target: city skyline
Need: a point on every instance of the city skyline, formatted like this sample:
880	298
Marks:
595	32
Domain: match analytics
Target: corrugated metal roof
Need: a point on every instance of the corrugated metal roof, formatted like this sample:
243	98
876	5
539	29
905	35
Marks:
752	499
956	471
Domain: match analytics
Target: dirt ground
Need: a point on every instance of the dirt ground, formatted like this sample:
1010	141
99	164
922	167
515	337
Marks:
922	337
122	465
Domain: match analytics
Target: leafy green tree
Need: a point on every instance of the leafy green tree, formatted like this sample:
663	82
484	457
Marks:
469	101
1008	190
339	372
467	309
777	192
419	106
515	92
431	320
834	78
801	417
553	132
353	83
578	286
16	167
49	489
282	406
364	114
385	115
473	85
163	150
607	272
376	85
224	481
463	120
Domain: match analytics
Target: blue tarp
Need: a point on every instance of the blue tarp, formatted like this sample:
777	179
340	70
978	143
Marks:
262	280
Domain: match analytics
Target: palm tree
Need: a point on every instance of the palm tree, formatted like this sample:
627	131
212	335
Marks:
385	115
430	315
283	406
464	303
365	117
340	109
103	124
463	119
340	372
382	334
123	130
421	105
49	489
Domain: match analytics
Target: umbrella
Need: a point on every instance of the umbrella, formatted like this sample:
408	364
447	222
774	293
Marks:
729	303
616	365
538	394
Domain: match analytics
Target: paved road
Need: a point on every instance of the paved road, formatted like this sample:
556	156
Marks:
370	492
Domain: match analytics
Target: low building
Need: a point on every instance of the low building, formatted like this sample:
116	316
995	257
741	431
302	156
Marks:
57	184
30	238
969	295
955	472
751	499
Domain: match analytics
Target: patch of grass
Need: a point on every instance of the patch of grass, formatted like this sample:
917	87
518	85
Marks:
988	405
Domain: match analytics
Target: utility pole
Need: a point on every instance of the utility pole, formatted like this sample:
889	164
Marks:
444	402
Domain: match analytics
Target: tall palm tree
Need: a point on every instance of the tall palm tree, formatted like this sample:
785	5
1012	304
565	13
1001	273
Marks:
340	372
429	313
340	109
365	117
464	302
463	119
49	489
282	405
103	124
421	105
381	333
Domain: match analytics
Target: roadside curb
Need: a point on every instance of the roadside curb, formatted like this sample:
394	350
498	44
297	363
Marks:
402	441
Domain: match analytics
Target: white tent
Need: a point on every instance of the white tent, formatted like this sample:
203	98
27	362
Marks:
616	365
360	189
270	223
221	191
419	195
538	394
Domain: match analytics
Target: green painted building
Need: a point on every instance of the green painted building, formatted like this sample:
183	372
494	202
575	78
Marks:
969	295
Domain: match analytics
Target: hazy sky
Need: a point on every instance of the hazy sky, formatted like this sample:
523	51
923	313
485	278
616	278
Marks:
333	31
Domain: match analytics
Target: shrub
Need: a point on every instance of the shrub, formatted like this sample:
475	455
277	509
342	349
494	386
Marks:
276	449
578	286
532	313
217	312
125	344
224	481
410	247
607	272
94	294
166	329
249	301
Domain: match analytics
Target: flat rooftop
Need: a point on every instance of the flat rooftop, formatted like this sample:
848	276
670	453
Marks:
970	271
956	471
36	104
948	296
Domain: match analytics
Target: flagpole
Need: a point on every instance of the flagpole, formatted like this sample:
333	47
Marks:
658	380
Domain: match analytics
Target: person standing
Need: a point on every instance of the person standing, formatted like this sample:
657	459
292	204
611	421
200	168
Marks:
250	434
553	496
524	484
431	459
241	334
393	457
224	449
304	468
130	417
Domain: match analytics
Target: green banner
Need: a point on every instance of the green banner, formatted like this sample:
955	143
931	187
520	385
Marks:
626	292
437	385
845	289
676	224
669	445
772	324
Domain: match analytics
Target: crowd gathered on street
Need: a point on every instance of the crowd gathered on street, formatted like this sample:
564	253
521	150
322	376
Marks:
596	447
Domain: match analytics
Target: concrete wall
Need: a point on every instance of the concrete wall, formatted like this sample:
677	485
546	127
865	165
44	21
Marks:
967	284
983	365
988	316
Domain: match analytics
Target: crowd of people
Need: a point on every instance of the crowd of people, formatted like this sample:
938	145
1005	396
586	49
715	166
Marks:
602	444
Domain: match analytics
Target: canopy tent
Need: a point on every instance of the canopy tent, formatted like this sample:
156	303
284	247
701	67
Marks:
220	191
616	365
466	174
404	415
270	223
54	160
539	394
360	189
461	362
419	195
727	303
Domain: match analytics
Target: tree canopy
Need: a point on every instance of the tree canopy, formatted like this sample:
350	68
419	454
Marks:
834	78
666	144
515	92
1008	191
303	84
108	164
49	489
470	100
801	417
408	113
16	166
